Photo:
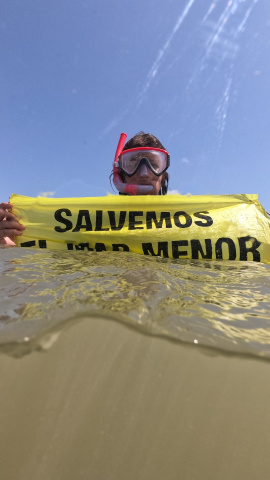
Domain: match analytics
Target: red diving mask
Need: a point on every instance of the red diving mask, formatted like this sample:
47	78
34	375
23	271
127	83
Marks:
129	162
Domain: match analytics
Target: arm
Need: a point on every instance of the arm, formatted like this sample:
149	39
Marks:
9	225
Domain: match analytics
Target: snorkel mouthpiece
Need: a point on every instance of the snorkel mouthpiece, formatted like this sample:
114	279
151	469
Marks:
118	182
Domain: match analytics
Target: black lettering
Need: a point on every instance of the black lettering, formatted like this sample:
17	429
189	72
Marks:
83	215
152	217
209	220
162	249
196	248
83	246
253	249
231	248
99	222
122	218
177	220
118	246
100	247
42	244
32	243
70	246
176	253
65	221
132	221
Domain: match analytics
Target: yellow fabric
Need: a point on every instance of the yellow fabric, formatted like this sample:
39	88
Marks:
234	227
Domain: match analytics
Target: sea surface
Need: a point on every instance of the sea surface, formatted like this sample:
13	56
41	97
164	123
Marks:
222	307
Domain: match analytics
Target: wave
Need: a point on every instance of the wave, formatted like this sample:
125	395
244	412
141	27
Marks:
219	305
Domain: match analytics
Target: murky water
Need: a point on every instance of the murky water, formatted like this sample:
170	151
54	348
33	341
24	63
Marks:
222	305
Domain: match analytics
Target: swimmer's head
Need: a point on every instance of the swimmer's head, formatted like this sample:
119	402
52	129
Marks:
140	166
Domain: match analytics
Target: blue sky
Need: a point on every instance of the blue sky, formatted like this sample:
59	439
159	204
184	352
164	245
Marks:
76	73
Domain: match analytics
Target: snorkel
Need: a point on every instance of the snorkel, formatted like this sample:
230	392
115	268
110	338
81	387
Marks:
118	182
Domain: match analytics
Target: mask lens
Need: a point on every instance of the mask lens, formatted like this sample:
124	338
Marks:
156	159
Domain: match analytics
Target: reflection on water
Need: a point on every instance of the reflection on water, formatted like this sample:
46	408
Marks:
224	305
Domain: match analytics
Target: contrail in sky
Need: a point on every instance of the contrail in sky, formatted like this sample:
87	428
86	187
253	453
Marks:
227	45
155	67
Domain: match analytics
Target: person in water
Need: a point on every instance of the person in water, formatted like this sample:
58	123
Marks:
140	168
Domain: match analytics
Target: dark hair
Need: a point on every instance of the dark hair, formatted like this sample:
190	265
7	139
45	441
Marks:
143	139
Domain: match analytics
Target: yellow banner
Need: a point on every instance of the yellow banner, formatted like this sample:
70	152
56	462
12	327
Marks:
225	227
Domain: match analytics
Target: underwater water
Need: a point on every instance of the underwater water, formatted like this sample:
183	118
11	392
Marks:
180	394
224	306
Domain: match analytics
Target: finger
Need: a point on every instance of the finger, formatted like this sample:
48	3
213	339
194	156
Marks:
10	232
8	215
7	225
6	206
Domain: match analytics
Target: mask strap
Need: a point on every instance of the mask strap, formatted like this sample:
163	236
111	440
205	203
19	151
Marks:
164	187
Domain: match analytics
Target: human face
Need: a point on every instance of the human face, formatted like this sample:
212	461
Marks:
144	176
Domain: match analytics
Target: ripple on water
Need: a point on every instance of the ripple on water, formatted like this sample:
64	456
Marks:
224	305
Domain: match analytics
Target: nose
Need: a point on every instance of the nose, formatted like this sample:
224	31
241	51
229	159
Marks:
143	170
